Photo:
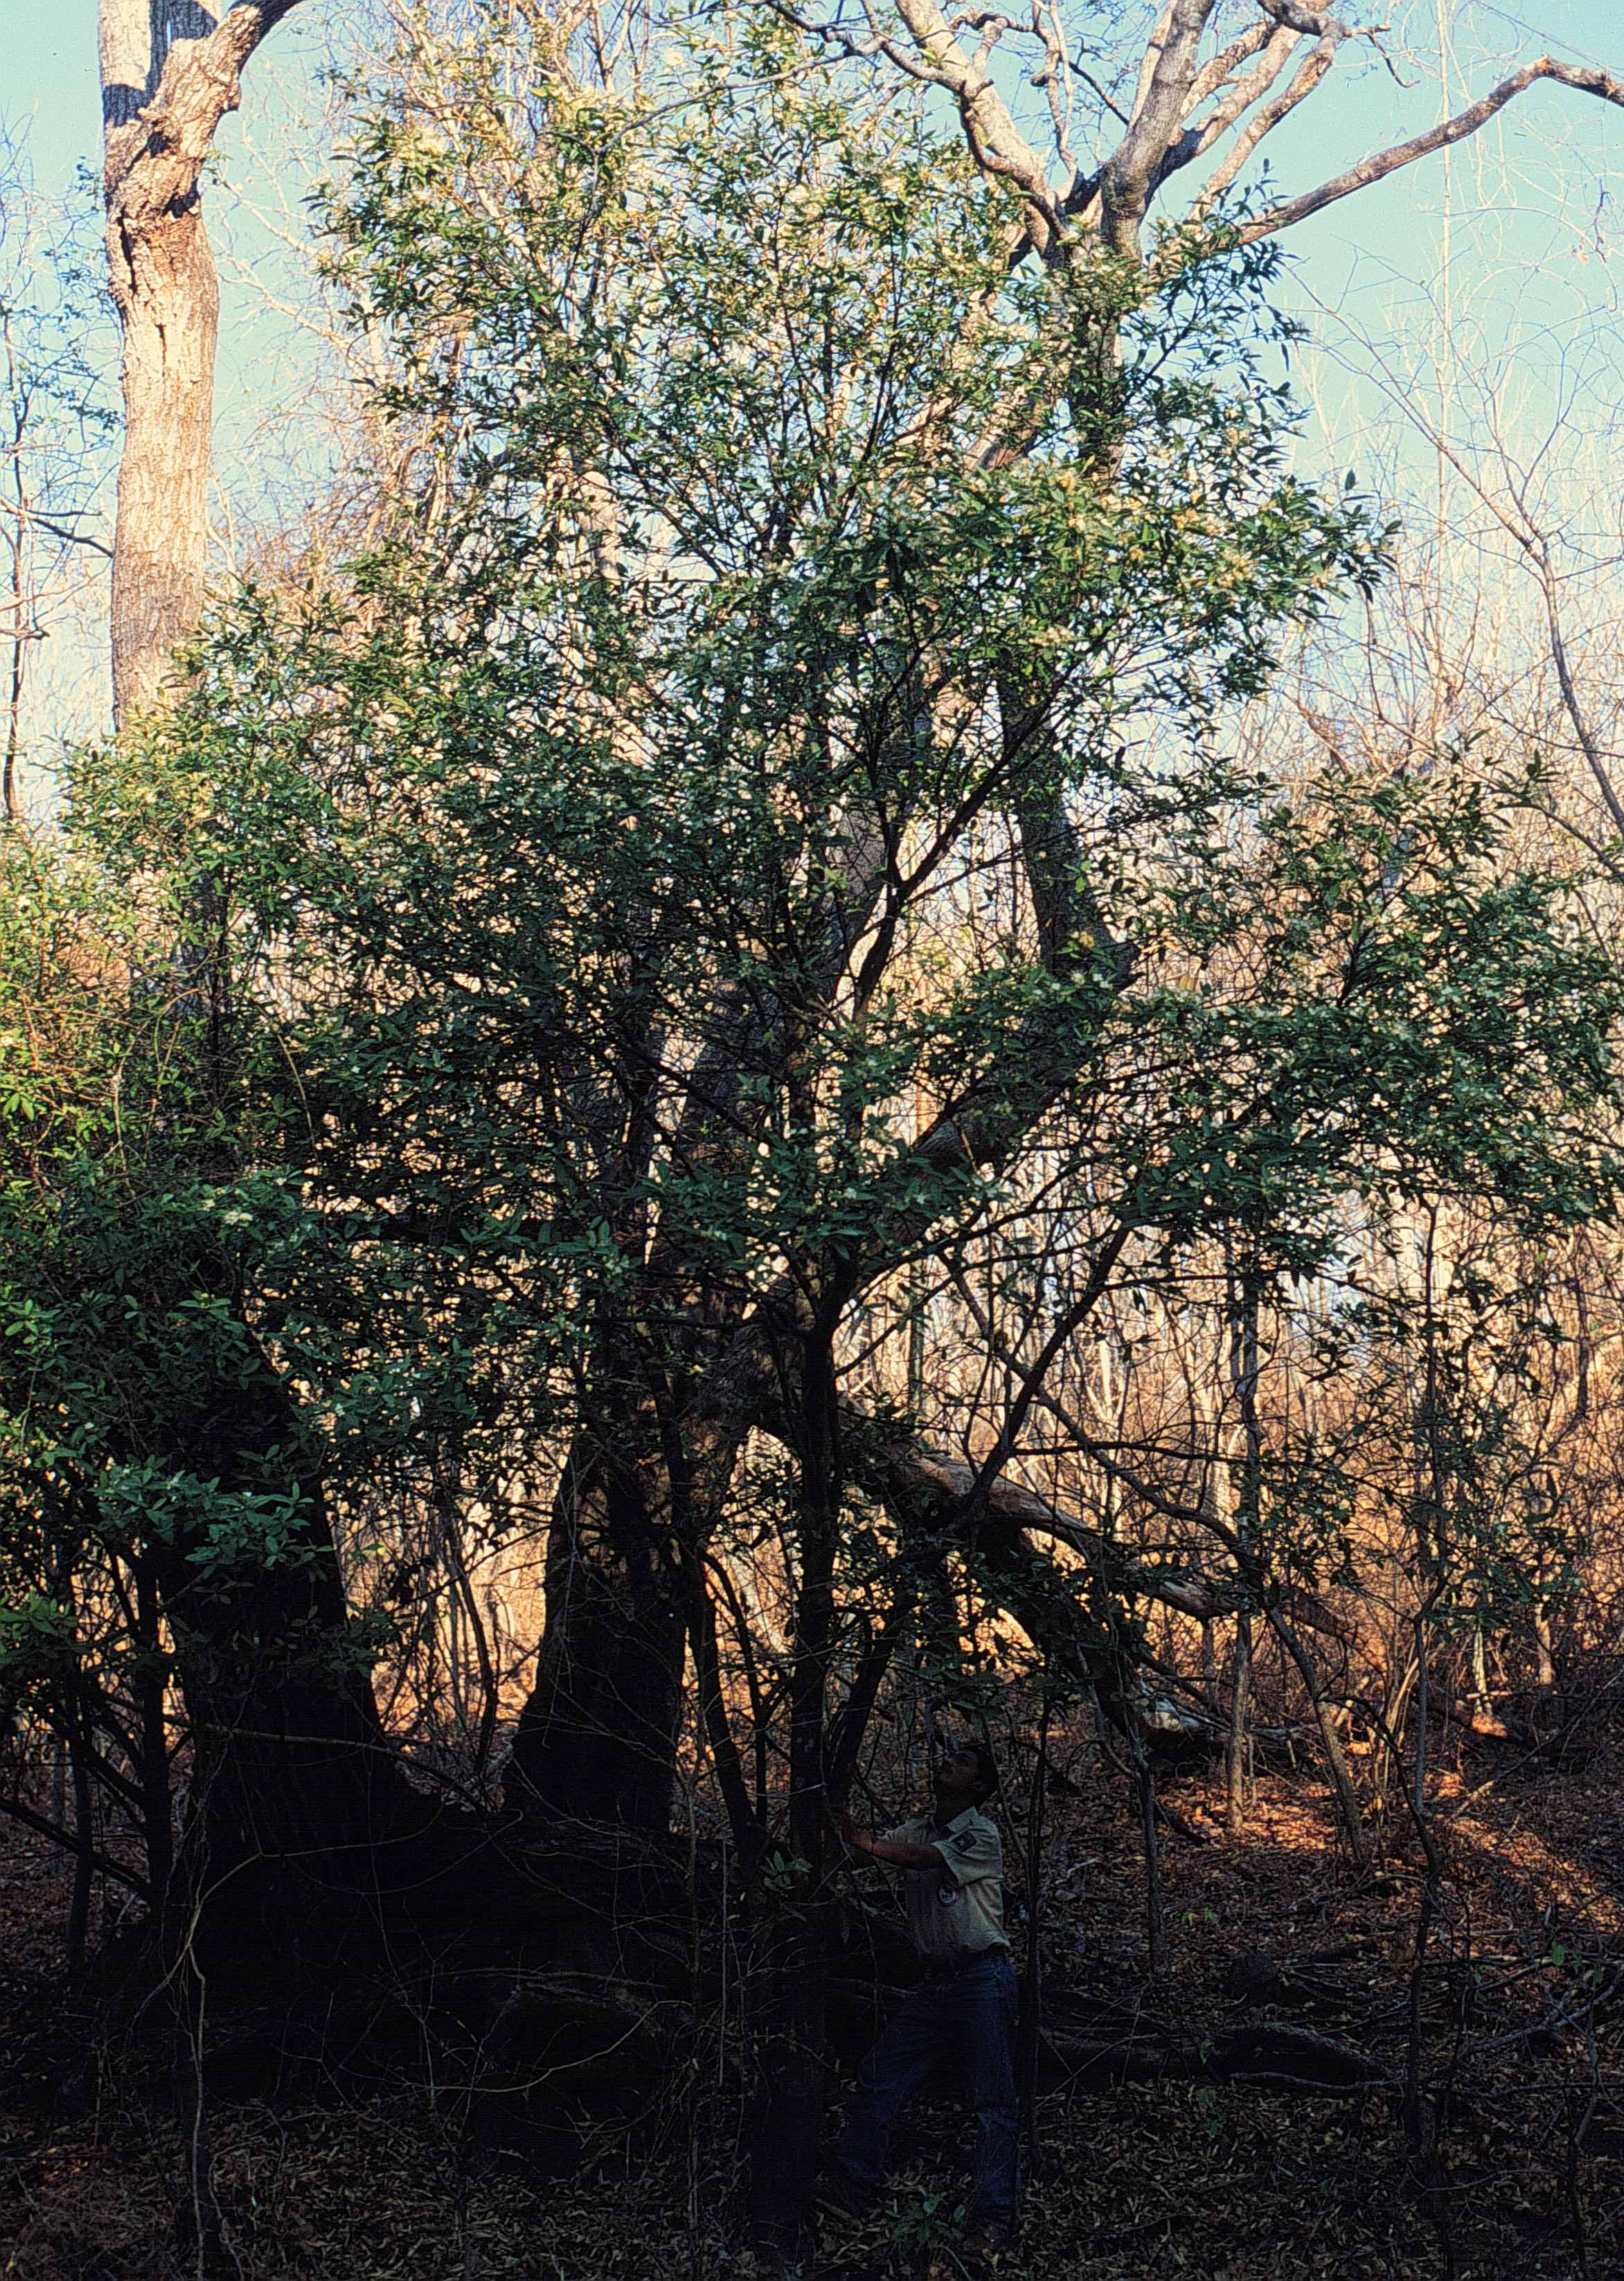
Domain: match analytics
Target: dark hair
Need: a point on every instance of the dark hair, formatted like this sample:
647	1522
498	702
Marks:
987	1770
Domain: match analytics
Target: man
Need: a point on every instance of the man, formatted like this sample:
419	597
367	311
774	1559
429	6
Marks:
952	1865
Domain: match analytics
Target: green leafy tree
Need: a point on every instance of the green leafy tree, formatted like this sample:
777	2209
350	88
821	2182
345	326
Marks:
763	814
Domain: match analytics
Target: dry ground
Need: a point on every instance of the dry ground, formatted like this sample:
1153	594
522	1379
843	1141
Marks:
1174	2177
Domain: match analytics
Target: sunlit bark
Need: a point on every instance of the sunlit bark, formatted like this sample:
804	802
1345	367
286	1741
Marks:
170	72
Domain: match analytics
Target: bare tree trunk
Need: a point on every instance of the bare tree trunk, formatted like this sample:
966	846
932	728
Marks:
169	72
1243	1367
84	1872
1336	1757
1237	1788
1545	1662
17	601
156	1804
1144	1783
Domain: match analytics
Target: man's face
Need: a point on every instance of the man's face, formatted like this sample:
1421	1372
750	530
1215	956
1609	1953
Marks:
956	1778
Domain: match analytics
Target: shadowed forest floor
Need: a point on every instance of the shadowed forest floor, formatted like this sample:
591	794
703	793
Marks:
1522	2054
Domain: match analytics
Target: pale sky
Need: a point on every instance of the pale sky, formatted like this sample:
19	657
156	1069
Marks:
1526	215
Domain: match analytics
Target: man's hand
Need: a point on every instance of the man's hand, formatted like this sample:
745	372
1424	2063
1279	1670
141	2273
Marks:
854	1840
892	1851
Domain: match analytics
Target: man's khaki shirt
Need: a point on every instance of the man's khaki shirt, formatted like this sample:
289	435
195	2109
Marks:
959	1909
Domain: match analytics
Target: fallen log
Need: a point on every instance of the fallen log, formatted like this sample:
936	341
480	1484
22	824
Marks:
1120	2046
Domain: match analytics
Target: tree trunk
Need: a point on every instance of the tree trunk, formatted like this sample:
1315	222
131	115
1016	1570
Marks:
1030	2037
792	2087
597	1739
791	2092
1144	1778
169	74
1237	1788
293	1768
299	1796
84	1868
153	1733
1336	1757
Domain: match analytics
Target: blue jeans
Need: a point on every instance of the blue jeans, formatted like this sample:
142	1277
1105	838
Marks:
970	2018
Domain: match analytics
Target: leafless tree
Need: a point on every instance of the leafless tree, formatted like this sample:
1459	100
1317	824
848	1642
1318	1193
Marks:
54	427
170	71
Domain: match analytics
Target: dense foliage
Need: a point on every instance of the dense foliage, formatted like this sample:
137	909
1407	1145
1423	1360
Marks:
680	1004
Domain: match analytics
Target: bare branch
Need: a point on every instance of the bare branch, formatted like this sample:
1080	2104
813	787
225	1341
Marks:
1151	57
1520	526
1224	65
997	143
855	44
1314	23
102	1863
1223	68
1303	82
1538	550
1588	79
1089	79
28	515
921	1472
1196	141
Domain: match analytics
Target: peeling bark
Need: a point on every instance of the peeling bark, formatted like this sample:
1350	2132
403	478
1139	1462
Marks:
170	72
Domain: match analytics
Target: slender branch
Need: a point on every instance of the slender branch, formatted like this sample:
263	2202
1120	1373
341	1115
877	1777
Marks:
1535	543
1587	79
1545	571
81	1847
27	514
855	44
1089	79
1302	84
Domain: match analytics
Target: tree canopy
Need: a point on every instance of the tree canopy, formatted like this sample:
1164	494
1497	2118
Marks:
677	1001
